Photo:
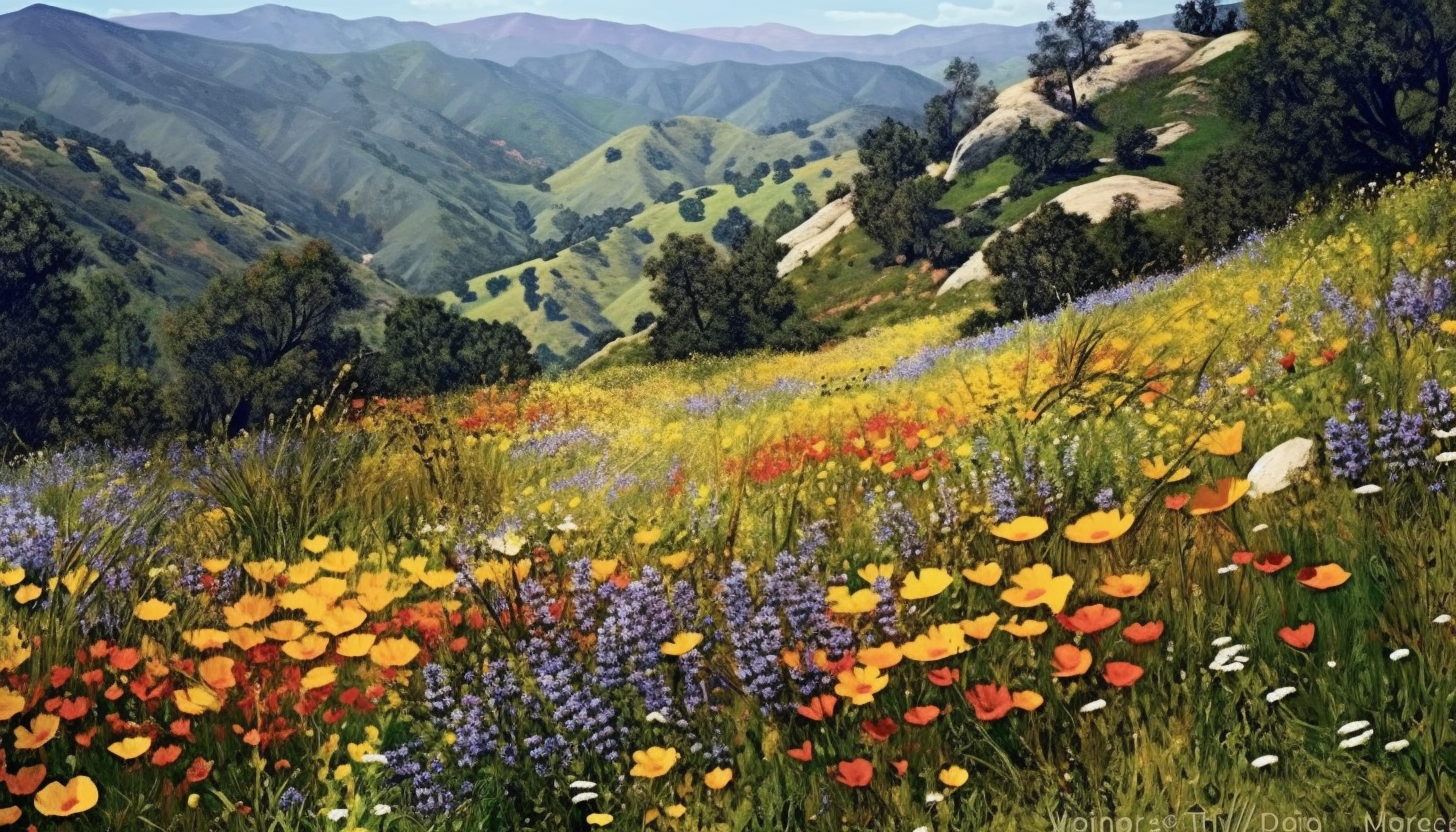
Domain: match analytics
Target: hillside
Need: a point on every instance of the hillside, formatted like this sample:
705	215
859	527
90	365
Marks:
748	95
604	288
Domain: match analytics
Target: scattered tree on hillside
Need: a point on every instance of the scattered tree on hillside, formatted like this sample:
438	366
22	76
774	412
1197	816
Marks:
1125	32
1050	260
254	343
781	171
1204	19
1067	46
643	321
613	154
1131	246
715	307
963	105
1320	82
692	210
429	349
733	228
1133	145
37	314
783	218
672	193
1043	156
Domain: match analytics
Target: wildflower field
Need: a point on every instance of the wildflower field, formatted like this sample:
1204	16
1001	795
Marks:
1185	547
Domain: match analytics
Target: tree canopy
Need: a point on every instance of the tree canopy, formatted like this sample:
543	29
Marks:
1067	46
430	349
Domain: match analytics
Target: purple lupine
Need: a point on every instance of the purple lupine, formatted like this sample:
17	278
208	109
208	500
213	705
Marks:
756	636
1003	492
1401	442
895	525
1348	441
885	616
629	640
1106	500
1435	402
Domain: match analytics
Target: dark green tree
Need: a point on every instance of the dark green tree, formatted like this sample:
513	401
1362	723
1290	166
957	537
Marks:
691	209
732	228
963	105
781	171
430	349
1205	19
1132	146
1361	86
1050	260
783	218
37	318
1067	46
1131	247
254	343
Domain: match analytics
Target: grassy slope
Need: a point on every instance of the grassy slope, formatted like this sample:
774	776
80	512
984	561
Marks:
599	295
839	282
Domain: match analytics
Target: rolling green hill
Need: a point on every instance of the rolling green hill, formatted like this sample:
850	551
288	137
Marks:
600	287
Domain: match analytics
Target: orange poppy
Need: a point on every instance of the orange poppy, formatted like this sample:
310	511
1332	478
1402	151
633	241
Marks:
819	707
1068	660
883	657
1241	558
124	660
1175	502
1225	493
72	709
1143	633
900	767
944	677
1300	638
42	730
1130	585
9	815
921	715
1092	618
803	753
855	773
990	702
1328	576
198	770
1272	562
63	799
1099	527
1121	674
1027	700
880	729
166	755
217	672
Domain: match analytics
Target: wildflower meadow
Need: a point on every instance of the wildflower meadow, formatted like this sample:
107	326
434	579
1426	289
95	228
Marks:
1186	546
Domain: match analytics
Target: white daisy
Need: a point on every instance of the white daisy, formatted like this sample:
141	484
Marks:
1448	456
1352	727
934	797
382	809
1278	694
1222	640
1397	745
1370	488
1360	739
1261	527
1266	760
1441	619
581	784
1397	655
1094	705
1224	570
582	797
337	814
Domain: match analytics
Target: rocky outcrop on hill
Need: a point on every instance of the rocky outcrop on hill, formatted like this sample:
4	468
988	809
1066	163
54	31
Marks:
1216	48
1153	53
816	232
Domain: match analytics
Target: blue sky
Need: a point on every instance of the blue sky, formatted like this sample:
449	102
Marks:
831	16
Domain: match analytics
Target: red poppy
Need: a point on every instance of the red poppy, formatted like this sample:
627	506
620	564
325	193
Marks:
26	780
92	678
1121	674
1090	619
1242	558
944	677
1300	638
1176	502
855	773
124	660
991	702
181	728
1328	355
114	692
197	771
74	708
900	767
99	649
60	675
880	729
1143	633
921	715
803	753
1287	362
166	755
1272	562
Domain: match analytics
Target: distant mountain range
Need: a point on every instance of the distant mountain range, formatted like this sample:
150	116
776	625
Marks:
509	38
431	150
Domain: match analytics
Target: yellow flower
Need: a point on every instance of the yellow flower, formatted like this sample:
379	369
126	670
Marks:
647	537
1021	529
216	565
59	800
1024	629
354	646
676	560
875	571
718	778
1448	327
307	648
603	569
438	578
265	571
860	684
882	656
245	638
1027	700
250	609
196	700
1157	469
79	578
939	642
342	619
599	819
302	572
1130	585
315	545
1037	585
841	601
927	583
286	630
11	577
681	644
1225	493
205	639
327	589
319	677
653	762
131	747
42	730
987	574
416	564
11	703
1224	441
394	652
375	591
217	672
676	811
340	561
1100	527
980	628
27	593
954	777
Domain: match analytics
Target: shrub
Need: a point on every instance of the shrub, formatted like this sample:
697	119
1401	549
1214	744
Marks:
1132	146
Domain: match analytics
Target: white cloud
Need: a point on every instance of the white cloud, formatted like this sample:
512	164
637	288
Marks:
946	14
872	22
